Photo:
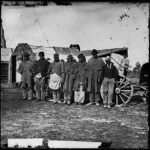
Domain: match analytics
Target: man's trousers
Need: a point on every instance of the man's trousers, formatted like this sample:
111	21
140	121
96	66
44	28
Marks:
108	90
40	88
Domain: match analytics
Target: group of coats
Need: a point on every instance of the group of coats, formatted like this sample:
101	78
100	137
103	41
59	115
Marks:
80	77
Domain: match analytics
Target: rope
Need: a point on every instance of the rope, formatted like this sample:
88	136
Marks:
117	62
41	27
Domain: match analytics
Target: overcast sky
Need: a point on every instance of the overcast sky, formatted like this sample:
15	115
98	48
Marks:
91	25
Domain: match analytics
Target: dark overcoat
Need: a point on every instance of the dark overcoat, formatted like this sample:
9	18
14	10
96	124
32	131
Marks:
80	76
93	71
70	70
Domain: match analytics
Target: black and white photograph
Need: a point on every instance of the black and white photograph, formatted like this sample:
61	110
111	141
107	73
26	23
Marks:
74	75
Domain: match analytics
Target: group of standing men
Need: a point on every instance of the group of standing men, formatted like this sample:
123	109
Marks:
96	77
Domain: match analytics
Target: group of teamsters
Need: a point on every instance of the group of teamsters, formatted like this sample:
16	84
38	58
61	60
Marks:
72	78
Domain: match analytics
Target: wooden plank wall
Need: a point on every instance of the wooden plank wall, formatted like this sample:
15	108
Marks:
4	71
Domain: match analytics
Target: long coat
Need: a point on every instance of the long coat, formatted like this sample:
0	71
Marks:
26	73
80	76
70	70
93	71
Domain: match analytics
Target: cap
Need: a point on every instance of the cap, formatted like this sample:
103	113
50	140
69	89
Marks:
41	53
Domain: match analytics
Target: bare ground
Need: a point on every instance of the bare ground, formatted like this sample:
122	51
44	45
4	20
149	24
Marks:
125	127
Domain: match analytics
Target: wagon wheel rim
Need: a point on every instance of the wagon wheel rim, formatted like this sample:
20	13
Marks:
124	92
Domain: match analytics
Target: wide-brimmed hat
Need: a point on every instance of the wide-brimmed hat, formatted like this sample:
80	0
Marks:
41	53
70	57
94	52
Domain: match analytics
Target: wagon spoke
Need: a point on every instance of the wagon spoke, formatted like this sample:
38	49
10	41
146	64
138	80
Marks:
121	98
116	99
124	86
120	83
126	90
125	95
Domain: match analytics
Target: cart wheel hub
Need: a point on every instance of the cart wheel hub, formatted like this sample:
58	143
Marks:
117	90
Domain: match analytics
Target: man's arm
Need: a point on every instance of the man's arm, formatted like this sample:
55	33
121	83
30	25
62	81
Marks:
116	74
34	69
49	71
63	72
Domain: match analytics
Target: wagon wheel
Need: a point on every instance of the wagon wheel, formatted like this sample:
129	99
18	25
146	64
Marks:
124	92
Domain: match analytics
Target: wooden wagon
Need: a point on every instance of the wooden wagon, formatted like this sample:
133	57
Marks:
124	88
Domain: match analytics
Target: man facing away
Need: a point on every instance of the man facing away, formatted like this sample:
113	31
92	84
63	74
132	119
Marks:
26	76
109	75
56	72
80	80
93	71
40	70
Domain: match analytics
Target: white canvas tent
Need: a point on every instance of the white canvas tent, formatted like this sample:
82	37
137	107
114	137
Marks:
34	51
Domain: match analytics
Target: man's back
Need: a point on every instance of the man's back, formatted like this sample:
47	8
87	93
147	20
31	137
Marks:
94	64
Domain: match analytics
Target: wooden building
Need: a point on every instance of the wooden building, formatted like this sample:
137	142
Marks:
6	54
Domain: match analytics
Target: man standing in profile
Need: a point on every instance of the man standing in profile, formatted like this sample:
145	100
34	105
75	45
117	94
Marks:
26	76
40	70
94	70
56	72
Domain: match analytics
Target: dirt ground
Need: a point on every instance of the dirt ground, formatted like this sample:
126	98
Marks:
125	127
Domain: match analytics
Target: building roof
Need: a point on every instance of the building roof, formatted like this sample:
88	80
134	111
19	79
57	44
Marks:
32	49
105	52
21	48
24	47
66	50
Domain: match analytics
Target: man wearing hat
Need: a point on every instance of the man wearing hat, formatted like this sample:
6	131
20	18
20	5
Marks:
27	77
80	80
109	75
93	71
56	72
137	70
40	72
70	68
